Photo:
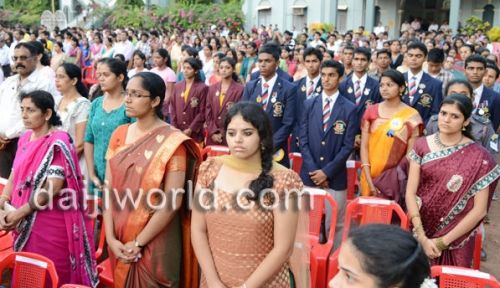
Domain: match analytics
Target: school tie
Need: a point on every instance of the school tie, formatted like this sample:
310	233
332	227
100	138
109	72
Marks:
265	96
357	91
413	88
311	89
326	113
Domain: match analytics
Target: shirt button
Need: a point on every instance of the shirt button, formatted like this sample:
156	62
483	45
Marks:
321	158
183	122
219	118
183	113
323	143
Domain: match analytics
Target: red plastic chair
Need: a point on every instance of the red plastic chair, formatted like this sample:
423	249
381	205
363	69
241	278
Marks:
295	161
6	242
458	277
29	270
367	210
214	150
74	286
104	267
89	77
478	244
352	177
320	252
3	182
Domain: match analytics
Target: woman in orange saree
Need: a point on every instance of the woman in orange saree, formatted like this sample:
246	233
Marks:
388	131
150	163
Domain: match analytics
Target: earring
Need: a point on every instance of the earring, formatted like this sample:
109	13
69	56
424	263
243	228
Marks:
464	128
262	147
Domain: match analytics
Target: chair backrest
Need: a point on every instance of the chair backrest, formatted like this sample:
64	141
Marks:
3	182
74	286
29	269
318	198
458	277
478	244
214	150
89	76
352	174
295	161
6	240
369	210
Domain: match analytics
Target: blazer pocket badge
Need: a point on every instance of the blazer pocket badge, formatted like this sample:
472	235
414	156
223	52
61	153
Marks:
339	127
195	102
425	100
278	110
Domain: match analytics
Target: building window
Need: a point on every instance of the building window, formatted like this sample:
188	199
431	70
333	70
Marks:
299	12
264	13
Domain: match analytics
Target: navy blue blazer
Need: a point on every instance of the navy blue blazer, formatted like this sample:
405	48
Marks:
301	97
328	150
281	111
490	100
281	74
370	95
428	98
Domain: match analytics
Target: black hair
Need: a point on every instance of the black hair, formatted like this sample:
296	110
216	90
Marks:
219	55
490	64
436	55
393	256
333	64
418	45
139	54
99	36
192	52
75	39
475	58
462	82
271	48
155	85
40	50
164	54
233	54
117	67
465	106
471	48
364	51
396	76
74	71
255	115
313	51
29	46
348	47
120	57
196	64
253	45
231	62
331	53
384	51
44	101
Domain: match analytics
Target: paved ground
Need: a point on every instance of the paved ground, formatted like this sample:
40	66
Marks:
492	264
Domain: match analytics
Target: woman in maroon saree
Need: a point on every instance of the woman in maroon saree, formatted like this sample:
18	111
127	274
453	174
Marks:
450	186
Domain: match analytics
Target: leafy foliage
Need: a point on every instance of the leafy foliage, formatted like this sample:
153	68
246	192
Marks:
494	34
26	12
473	24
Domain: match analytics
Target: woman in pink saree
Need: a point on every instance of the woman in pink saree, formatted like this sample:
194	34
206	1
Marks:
45	190
450	186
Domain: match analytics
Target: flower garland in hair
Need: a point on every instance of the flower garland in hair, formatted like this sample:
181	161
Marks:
429	283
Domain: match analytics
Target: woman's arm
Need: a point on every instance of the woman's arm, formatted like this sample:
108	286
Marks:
201	247
285	226
7	190
89	159
413	138
80	135
472	218
365	162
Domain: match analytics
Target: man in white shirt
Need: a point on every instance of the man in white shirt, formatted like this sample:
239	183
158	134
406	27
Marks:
27	79
124	46
4	58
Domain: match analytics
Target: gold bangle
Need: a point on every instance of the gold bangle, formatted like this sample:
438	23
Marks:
440	244
365	165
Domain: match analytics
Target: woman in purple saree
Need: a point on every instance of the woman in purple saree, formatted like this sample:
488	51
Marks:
45	190
451	182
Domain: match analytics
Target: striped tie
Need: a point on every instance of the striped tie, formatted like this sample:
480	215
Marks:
357	91
413	88
265	95
311	89
326	113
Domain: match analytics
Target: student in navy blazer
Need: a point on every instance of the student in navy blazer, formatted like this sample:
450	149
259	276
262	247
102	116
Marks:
368	92
282	74
307	87
279	103
427	93
484	97
326	142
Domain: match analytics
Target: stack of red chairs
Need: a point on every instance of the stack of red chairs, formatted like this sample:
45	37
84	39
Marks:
29	270
352	178
89	77
295	161
458	277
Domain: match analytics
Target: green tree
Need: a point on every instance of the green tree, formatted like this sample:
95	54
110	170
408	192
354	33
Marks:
135	3
28	12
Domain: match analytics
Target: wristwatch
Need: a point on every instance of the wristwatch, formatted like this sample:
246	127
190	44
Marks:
136	244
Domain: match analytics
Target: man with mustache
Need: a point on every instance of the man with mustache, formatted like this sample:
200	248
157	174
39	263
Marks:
28	78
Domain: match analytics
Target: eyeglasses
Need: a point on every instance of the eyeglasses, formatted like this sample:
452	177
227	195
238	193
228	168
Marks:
21	58
135	95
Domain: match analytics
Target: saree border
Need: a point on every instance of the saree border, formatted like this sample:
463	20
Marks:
480	184
431	156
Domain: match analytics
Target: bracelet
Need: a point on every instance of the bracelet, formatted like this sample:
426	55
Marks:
365	165
136	244
440	244
5	197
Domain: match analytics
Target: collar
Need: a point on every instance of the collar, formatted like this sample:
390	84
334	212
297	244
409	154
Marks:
418	75
362	79
315	80
478	92
332	98
271	82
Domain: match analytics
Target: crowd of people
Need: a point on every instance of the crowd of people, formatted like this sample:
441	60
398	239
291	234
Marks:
421	112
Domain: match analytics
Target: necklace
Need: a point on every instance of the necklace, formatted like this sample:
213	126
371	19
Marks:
441	145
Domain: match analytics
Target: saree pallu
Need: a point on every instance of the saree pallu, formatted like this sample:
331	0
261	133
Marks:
449	180
63	232
388	140
167	260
